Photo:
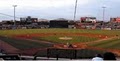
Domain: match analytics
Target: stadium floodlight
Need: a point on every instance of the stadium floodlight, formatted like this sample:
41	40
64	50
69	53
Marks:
103	12
75	10
103	15
14	15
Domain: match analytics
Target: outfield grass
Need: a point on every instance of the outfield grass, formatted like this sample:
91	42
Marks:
75	39
57	30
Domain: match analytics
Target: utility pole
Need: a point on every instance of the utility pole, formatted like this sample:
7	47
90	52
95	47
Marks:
14	15
75	10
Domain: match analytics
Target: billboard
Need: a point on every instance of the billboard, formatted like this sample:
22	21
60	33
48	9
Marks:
118	20
115	19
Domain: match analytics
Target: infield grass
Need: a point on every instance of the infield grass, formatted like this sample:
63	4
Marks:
109	44
75	39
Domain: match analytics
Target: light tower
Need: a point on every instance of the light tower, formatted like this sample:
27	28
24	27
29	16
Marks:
103	12
14	15
103	16
75	10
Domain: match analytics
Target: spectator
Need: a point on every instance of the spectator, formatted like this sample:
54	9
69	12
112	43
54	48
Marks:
109	56
98	57
67	44
1	59
70	46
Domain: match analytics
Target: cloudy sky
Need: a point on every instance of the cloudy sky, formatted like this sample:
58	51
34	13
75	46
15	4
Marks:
52	9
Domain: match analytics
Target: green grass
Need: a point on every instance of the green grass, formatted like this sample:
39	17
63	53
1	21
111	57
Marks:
74	39
57	30
110	44
106	44
23	44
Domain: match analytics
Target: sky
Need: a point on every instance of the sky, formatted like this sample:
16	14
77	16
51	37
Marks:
52	9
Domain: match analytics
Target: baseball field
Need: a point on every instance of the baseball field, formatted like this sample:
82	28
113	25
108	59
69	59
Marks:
27	40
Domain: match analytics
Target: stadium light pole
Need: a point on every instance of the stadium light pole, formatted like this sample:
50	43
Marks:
14	15
103	15
75	10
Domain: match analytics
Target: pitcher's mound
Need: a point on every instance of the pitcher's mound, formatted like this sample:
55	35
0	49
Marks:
65	38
